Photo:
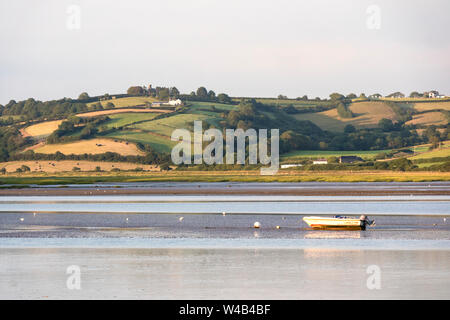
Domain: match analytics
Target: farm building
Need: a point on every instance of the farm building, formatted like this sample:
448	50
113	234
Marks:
431	94
349	159
176	102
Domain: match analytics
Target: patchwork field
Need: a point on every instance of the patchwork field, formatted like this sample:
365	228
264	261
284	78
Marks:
427	106
157	142
68	165
325	154
114	111
367	115
126	102
428	119
445	152
43	129
166	126
287	102
123	119
92	146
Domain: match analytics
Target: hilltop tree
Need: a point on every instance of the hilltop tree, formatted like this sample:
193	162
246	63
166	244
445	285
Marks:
202	92
336	96
83	96
223	98
211	95
163	94
174	93
135	91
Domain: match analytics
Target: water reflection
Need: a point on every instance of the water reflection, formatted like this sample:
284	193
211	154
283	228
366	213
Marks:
325	234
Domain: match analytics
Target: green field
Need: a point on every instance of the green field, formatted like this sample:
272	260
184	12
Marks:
124	119
287	102
125	102
158	143
221	176
167	125
324	154
433	154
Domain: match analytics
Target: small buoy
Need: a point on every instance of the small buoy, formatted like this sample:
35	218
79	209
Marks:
21	219
278	227
256	225
181	219
445	219
126	219
34	214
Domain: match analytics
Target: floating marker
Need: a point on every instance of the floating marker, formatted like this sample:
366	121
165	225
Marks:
21	219
257	225
181	219
278	227
223	213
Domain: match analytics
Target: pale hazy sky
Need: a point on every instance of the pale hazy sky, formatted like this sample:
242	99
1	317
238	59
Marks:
251	48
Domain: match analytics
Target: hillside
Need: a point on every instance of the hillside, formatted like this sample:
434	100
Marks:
136	131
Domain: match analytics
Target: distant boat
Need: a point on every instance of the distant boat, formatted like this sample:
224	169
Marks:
339	222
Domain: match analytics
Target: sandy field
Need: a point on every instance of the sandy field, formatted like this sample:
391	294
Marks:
68	165
42	129
91	146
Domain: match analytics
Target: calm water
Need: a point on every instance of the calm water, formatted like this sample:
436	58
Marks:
177	247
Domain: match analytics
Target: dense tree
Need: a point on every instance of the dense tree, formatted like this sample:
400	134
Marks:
135	91
223	98
83	96
336	97
343	111
349	128
202	92
174	93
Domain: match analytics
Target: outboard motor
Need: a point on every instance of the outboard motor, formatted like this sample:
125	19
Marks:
363	221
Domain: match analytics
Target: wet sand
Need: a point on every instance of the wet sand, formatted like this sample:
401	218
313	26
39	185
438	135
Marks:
273	189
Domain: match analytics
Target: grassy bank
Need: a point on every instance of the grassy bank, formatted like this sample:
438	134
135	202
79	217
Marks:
221	176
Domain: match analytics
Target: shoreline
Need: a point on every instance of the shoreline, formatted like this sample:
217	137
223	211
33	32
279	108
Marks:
229	190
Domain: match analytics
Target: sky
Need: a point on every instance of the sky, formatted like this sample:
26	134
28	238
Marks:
52	49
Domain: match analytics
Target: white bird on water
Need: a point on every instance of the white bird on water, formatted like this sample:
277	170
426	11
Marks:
181	219
22	219
224	213
256	225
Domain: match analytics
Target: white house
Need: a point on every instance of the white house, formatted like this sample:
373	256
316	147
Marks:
176	102
431	94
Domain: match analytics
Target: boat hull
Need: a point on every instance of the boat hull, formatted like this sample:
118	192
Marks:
334	223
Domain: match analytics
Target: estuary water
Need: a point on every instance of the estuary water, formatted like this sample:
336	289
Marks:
160	246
